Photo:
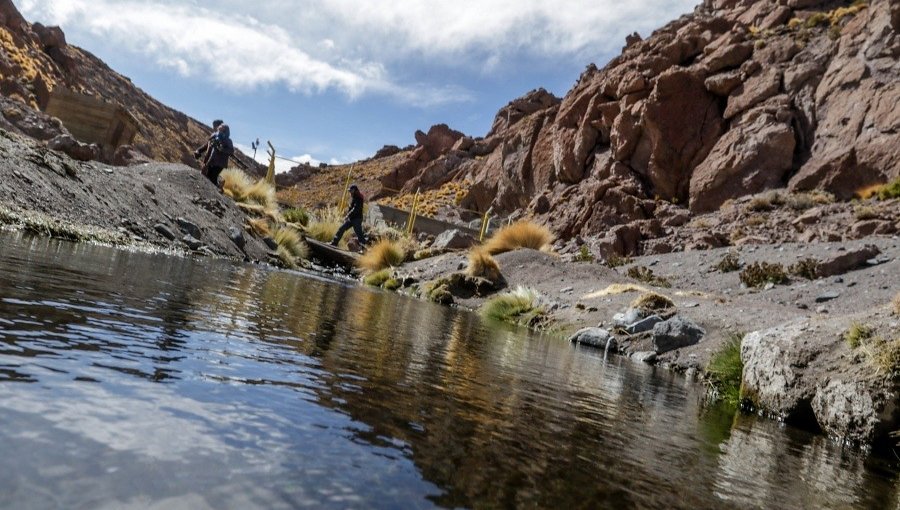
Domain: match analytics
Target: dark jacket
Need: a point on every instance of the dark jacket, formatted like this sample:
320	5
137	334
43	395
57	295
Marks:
219	152
355	212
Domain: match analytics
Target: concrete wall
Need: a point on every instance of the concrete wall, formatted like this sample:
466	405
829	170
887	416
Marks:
399	217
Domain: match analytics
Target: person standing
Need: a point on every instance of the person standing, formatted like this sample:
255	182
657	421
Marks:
202	152
220	148
353	218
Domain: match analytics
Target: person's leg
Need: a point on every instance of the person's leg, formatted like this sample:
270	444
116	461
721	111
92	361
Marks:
212	173
360	235
340	233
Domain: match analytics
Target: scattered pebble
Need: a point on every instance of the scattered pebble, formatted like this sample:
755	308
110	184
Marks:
828	296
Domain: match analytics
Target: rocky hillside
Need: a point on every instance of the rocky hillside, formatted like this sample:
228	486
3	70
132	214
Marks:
734	99
35	59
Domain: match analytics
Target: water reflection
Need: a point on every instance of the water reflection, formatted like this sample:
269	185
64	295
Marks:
205	384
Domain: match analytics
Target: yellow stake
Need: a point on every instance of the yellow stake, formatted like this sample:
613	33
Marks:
343	202
412	213
484	224
270	174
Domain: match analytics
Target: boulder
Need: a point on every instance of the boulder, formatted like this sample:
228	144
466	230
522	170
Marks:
643	325
675	333
595	337
126	155
628	317
439	139
385	151
853	411
750	158
727	57
865	228
189	227
165	231
846	261
237	237
73	148
755	90
453	240
775	362
191	242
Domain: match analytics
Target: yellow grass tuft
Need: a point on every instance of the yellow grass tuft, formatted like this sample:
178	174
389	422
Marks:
324	224
382	255
290	240
652	301
481	264
235	183
262	193
522	234
895	304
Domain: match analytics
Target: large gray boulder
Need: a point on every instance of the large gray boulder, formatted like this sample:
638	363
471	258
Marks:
595	337
853	411
453	240
676	333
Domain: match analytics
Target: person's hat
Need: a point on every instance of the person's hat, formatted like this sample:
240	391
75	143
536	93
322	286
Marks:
217	123
354	186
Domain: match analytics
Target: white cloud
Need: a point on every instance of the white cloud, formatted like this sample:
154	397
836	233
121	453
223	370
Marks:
351	45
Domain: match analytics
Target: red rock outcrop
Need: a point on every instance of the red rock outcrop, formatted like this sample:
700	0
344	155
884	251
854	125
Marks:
733	99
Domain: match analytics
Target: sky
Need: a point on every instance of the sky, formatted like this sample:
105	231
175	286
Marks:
335	80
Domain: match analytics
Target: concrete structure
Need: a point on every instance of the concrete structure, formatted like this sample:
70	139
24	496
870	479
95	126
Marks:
399	217
91	119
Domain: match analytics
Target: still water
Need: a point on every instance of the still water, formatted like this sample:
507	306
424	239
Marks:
130	380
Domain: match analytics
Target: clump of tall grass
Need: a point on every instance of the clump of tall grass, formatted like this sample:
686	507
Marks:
725	370
895	304
482	265
652	302
296	215
522	234
521	306
260	227
382	255
324	224
881	191
865	212
290	240
235	183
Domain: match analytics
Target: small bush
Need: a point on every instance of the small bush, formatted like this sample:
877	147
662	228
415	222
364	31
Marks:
765	202
324	223
819	18
381	255
614	261
885	354
645	274
760	273
522	234
384	279
756	220
889	191
286	257
438	292
521	306
865	212
807	268
481	264
584	254
235	184
857	334
725	370
296	215
652	302
895	304
730	262
262	193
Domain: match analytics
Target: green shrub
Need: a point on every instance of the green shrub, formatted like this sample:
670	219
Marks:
296	215
520	306
378	278
584	255
857	334
865	212
615	261
889	191
760	273
724	371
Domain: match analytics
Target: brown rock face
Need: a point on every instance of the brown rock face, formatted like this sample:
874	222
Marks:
703	110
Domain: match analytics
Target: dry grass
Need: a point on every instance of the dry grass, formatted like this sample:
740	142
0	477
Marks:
324	224
257	197
383	279
730	262
645	274
615	289
895	304
290	240
260	227
522	234
522	306
652	302
287	259
803	201
857	334
382	255
482	265
235	183
865	212
807	268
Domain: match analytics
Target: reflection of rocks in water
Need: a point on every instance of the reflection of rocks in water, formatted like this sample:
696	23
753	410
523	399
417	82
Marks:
760	462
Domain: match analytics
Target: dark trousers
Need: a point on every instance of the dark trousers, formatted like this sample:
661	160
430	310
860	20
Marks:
356	223
212	173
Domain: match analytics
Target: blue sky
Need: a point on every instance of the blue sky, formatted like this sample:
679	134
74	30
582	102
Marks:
334	80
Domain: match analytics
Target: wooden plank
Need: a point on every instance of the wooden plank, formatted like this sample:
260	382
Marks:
329	254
